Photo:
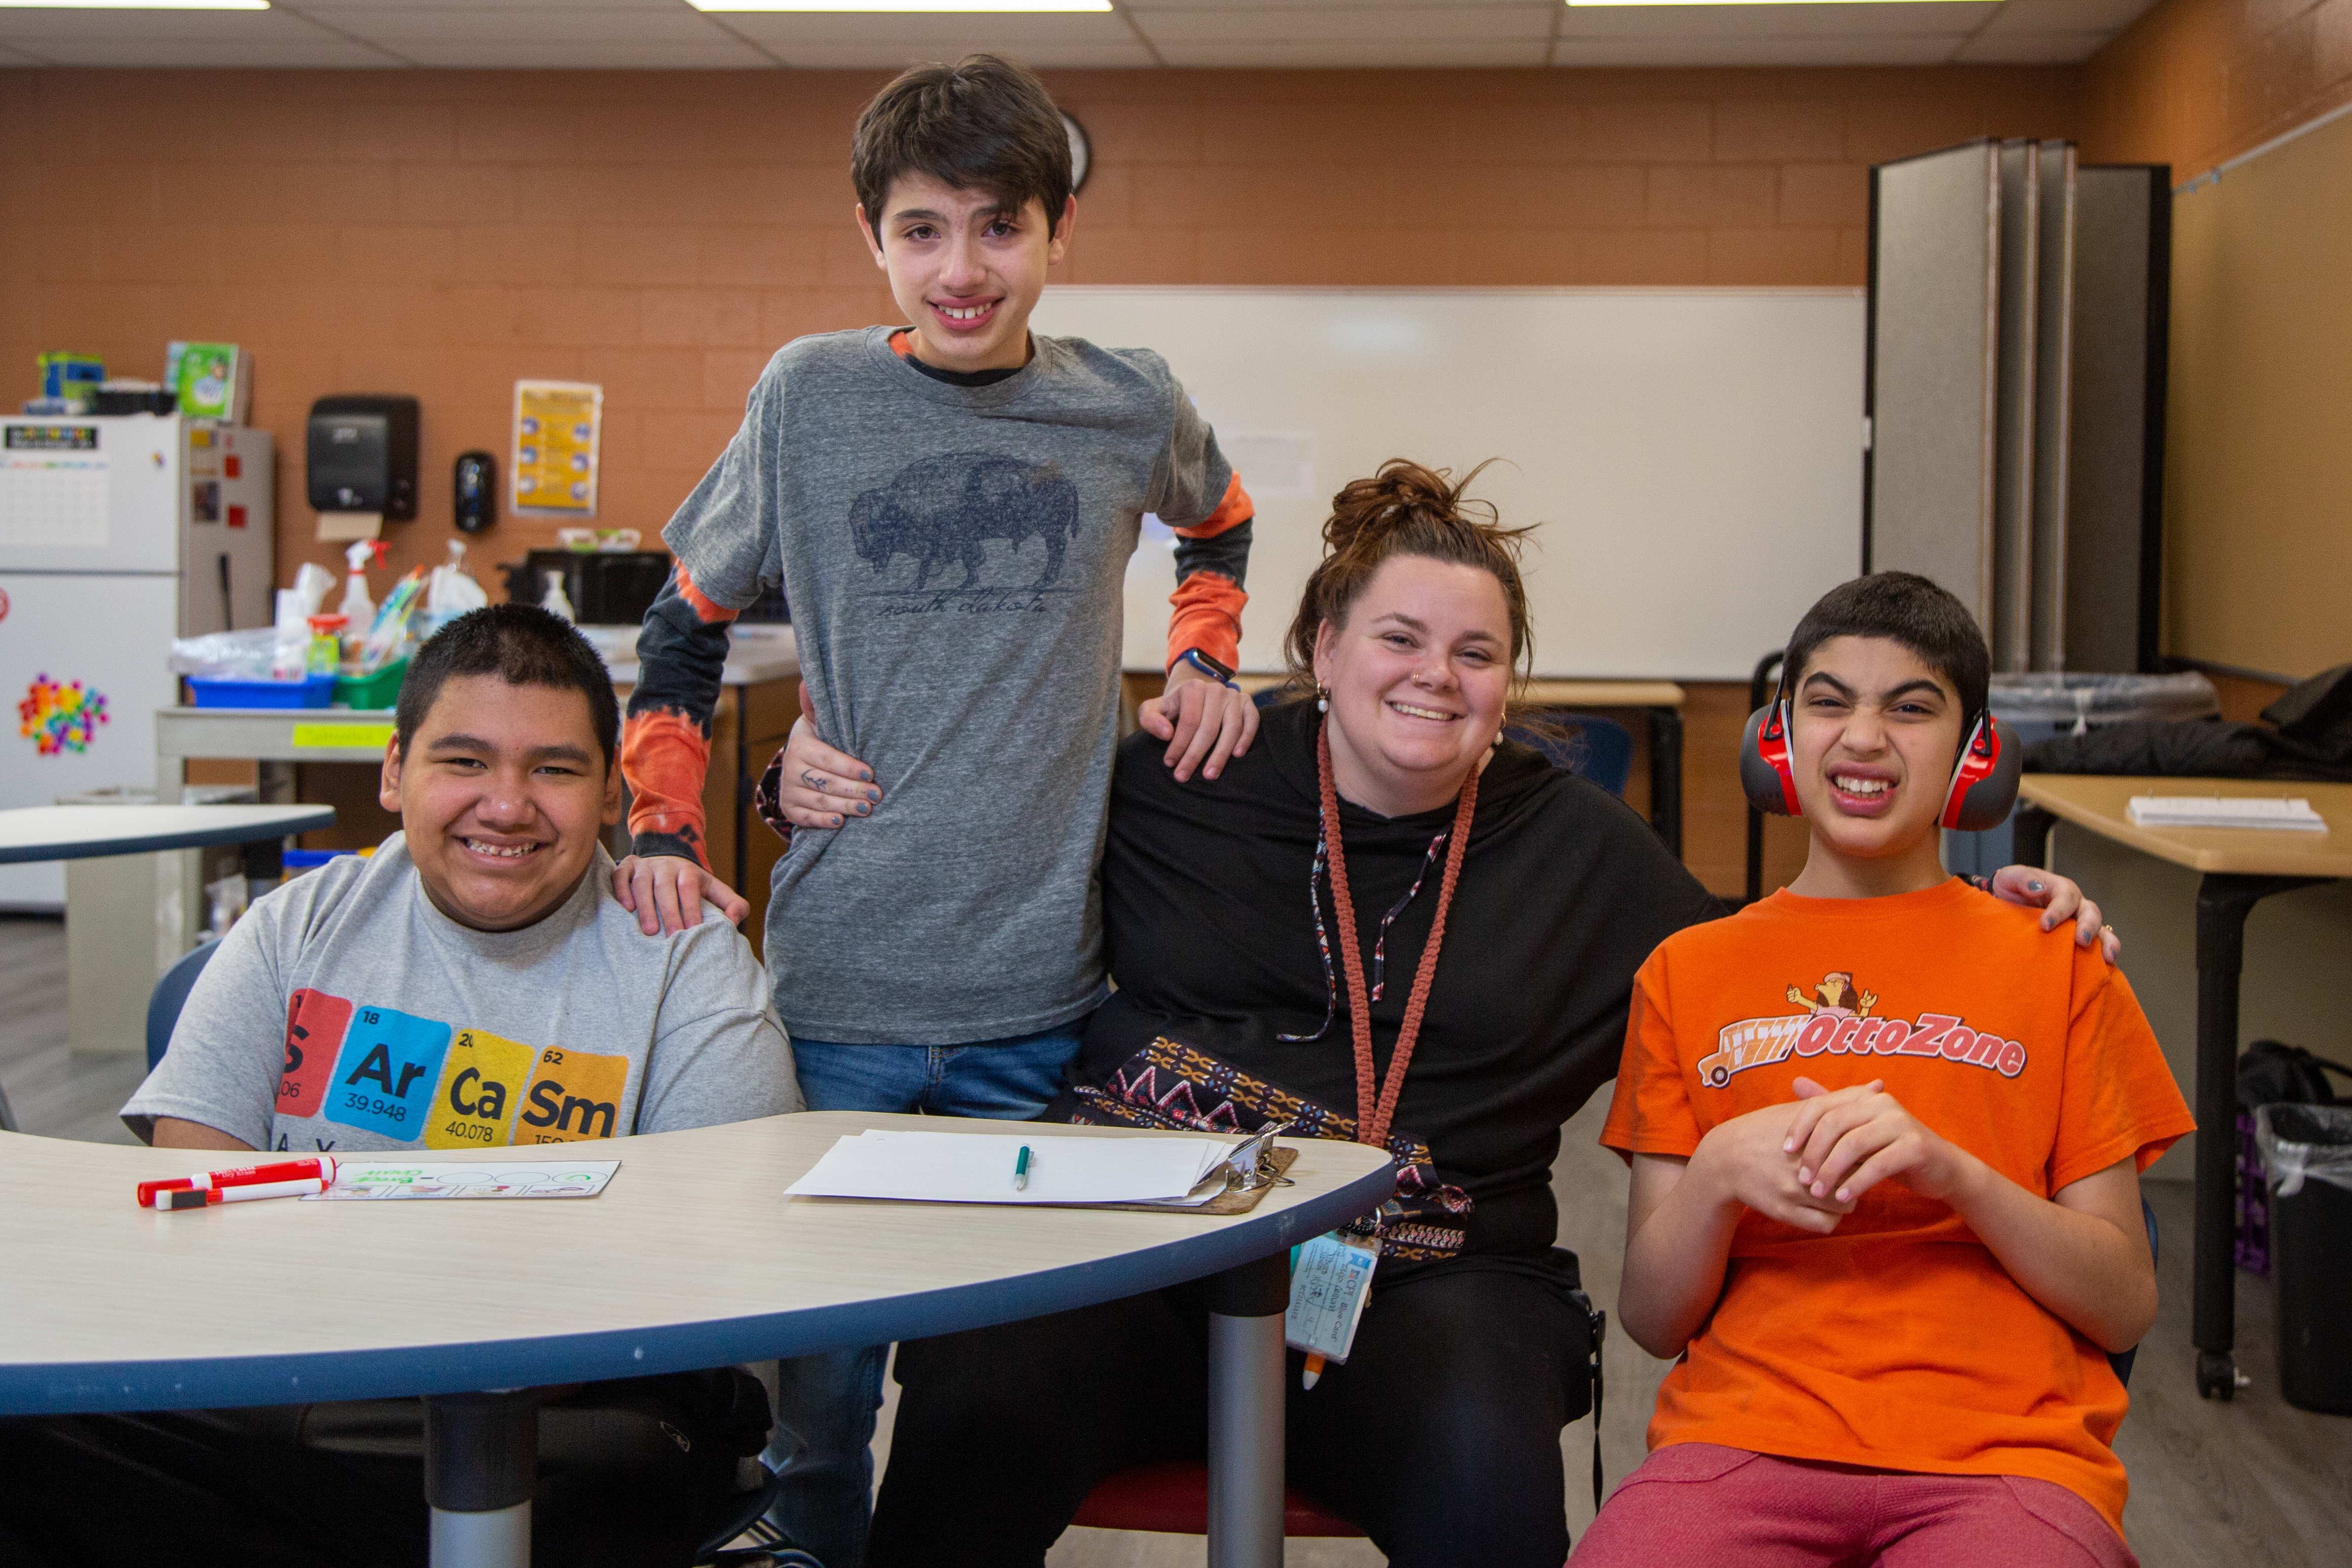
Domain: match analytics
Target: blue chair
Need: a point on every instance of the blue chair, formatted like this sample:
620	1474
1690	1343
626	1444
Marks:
2121	1360
170	994
1597	751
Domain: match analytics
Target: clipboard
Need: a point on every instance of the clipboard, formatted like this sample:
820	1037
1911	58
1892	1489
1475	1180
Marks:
1254	1168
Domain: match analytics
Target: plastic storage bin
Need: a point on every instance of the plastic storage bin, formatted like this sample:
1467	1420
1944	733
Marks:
2037	707
378	690
310	692
2307	1165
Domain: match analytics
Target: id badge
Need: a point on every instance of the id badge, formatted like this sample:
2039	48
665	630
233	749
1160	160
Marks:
1327	1292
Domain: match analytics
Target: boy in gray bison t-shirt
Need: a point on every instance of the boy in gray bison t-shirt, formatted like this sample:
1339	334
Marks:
950	509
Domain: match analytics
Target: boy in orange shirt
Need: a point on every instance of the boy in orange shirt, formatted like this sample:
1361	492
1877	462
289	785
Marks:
1886	1144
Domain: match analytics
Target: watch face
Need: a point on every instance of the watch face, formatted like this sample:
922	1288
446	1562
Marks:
1221	670
1081	154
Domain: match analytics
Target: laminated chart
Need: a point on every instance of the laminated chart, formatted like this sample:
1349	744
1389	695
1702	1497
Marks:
558	426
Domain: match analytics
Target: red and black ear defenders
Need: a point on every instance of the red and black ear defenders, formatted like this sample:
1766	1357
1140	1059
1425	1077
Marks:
1984	776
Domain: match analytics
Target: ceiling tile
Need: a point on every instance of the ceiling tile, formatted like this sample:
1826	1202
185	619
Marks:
1891	50
1108	55
456	25
2031	48
556	54
1707	23
273	27
2108	16
1341	55
1270	25
325	54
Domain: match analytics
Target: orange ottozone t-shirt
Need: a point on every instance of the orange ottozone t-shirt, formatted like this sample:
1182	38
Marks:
1898	1340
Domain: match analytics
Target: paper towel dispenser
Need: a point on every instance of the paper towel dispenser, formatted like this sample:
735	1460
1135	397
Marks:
362	455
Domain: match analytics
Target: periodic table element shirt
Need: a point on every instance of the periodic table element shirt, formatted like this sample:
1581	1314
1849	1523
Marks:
955	559
345	1012
1898	1340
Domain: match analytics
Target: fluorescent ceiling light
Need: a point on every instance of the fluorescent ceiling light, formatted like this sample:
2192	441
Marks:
901	7
134	5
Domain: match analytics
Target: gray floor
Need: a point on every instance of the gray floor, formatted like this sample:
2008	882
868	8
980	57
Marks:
2252	1484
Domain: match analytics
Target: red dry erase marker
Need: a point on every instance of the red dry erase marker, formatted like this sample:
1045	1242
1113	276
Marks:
320	1167
245	1192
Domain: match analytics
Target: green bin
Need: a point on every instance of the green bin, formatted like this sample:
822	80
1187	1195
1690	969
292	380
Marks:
380	690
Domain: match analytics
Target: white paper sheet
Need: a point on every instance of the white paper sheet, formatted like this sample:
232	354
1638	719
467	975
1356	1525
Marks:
977	1168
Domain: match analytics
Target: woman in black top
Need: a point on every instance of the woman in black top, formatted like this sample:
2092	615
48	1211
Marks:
1439	1436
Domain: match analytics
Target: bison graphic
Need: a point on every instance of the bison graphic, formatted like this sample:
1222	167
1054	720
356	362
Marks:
948	508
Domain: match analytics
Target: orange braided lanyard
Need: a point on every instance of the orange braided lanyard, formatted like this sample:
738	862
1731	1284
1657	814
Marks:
1372	1118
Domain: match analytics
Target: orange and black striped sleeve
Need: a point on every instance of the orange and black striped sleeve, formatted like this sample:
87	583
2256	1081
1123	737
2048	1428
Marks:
666	739
1212	561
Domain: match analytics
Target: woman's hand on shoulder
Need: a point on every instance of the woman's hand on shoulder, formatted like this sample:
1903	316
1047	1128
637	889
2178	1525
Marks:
2059	898
666	893
1205	722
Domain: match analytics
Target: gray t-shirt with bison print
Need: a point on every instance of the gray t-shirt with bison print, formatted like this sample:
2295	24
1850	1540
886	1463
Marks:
954	558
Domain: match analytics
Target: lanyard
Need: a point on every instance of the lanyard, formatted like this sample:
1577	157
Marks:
1373	1116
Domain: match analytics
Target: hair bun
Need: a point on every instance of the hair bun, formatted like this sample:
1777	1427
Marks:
1403	492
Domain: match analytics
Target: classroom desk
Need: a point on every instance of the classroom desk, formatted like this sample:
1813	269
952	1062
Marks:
1659	701
88	832
2239	868
85	832
692	1257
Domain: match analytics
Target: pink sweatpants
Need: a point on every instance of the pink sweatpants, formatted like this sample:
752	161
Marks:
1697	1502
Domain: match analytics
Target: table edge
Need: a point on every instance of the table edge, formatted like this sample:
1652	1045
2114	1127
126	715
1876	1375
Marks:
530	1361
2248	860
297	820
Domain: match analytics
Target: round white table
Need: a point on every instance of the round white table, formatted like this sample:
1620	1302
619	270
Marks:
85	832
692	1257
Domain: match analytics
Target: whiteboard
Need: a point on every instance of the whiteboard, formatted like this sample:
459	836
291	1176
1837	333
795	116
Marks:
1694	456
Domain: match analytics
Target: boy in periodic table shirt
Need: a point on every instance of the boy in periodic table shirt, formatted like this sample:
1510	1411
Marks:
473	984
949	508
1885	1145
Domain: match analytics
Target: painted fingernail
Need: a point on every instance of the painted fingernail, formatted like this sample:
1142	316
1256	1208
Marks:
864	776
874	795
2032	886
836	821
863	808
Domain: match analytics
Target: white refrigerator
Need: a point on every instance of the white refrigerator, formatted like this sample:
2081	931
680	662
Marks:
117	534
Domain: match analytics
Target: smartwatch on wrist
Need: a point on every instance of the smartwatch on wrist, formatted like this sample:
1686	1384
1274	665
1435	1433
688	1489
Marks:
1219	672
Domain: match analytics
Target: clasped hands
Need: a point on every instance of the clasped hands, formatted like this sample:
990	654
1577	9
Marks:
1808	1162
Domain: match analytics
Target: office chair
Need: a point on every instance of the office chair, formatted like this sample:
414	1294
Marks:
1172	1499
170	994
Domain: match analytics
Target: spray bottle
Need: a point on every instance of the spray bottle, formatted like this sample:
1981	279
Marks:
555	600
358	608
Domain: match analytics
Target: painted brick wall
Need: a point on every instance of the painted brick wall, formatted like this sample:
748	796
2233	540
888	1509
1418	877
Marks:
443	233
2194	83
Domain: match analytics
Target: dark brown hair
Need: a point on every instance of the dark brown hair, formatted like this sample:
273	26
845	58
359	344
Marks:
1908	609
981	125
522	645
1406	509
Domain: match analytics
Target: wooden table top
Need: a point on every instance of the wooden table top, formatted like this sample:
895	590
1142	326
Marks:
2100	802
82	831
692	1257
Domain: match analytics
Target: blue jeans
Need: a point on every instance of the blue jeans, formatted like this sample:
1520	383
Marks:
824	1440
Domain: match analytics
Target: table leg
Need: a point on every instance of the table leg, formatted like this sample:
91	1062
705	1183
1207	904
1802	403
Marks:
1245	1412
481	1452
2223	901
1666	776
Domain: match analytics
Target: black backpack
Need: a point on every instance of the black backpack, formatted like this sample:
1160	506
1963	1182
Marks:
2272	1072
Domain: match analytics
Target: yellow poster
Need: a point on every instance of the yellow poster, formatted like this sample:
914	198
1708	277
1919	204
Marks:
556	427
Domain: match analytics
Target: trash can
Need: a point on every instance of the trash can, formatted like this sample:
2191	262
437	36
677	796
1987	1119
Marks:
2037	707
2307	1165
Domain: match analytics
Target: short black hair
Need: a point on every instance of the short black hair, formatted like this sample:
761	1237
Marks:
1907	608
981	125
522	645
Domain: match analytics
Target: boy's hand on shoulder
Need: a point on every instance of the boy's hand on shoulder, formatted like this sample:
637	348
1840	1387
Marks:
1749	1160
1200	719
2059	898
818	786
1845	1142
666	893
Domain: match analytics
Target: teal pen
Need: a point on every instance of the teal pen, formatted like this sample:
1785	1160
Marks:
1021	1170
